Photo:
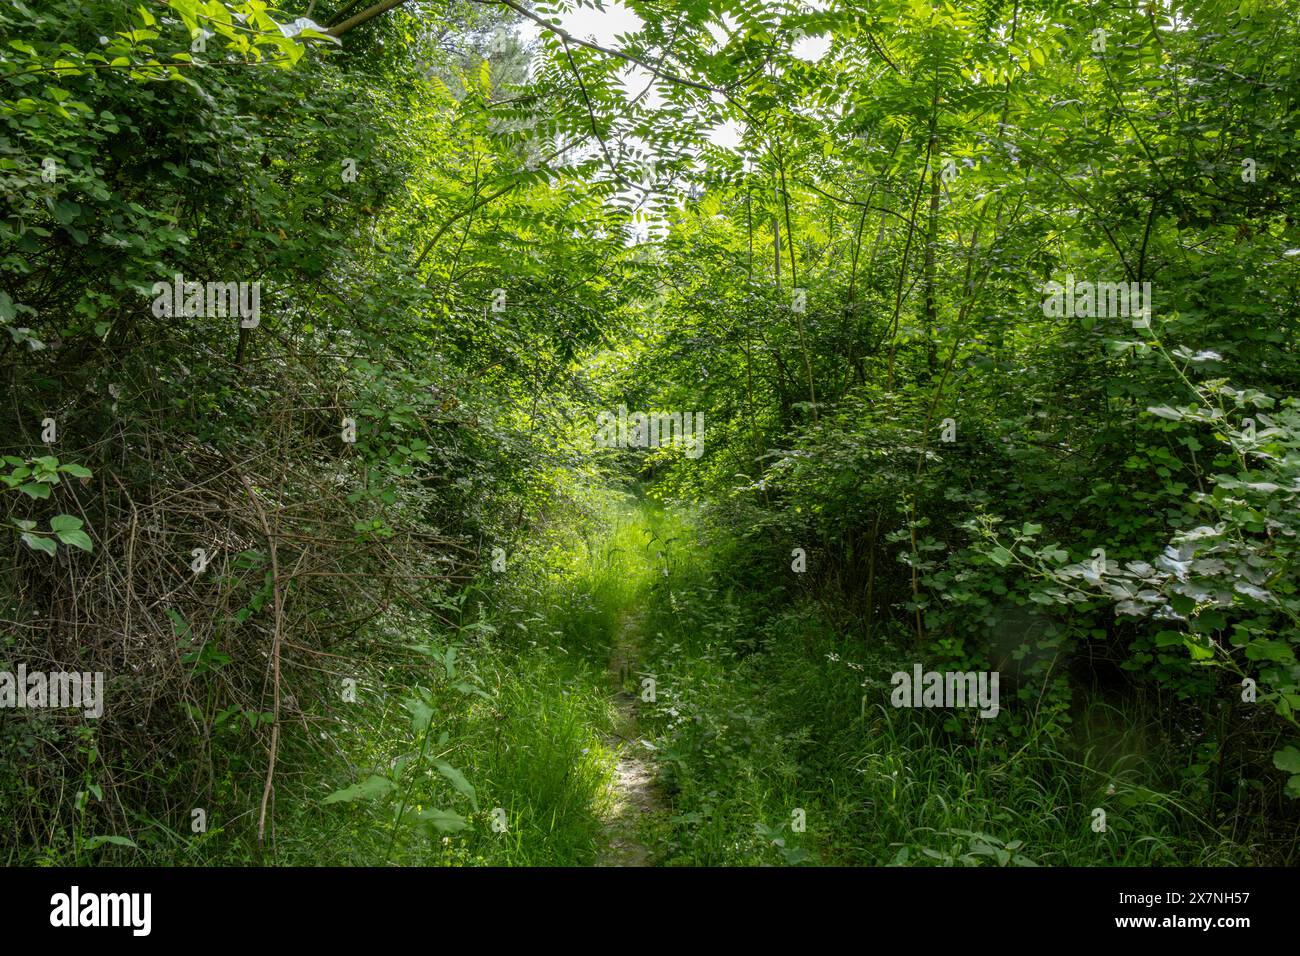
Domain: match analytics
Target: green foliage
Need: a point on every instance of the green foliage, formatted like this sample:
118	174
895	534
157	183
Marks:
466	249
36	478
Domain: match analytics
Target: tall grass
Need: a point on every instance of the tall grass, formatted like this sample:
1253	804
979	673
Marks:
774	739
768	719
536	743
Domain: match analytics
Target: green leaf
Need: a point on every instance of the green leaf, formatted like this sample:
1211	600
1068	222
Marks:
35	490
65	523
96	842
458	781
1164	411
1288	759
77	539
421	714
372	788
179	624
38	543
444	821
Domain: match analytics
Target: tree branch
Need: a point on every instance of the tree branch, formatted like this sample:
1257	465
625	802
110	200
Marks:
382	7
568	38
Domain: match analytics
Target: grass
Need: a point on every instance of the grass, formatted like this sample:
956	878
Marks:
774	739
534	744
777	745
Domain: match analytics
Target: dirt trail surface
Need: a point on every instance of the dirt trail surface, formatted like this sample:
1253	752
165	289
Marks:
633	793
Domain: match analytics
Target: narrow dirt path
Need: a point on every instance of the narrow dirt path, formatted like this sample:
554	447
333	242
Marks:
633	795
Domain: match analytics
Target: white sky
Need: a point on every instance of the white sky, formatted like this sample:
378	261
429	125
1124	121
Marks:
604	26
